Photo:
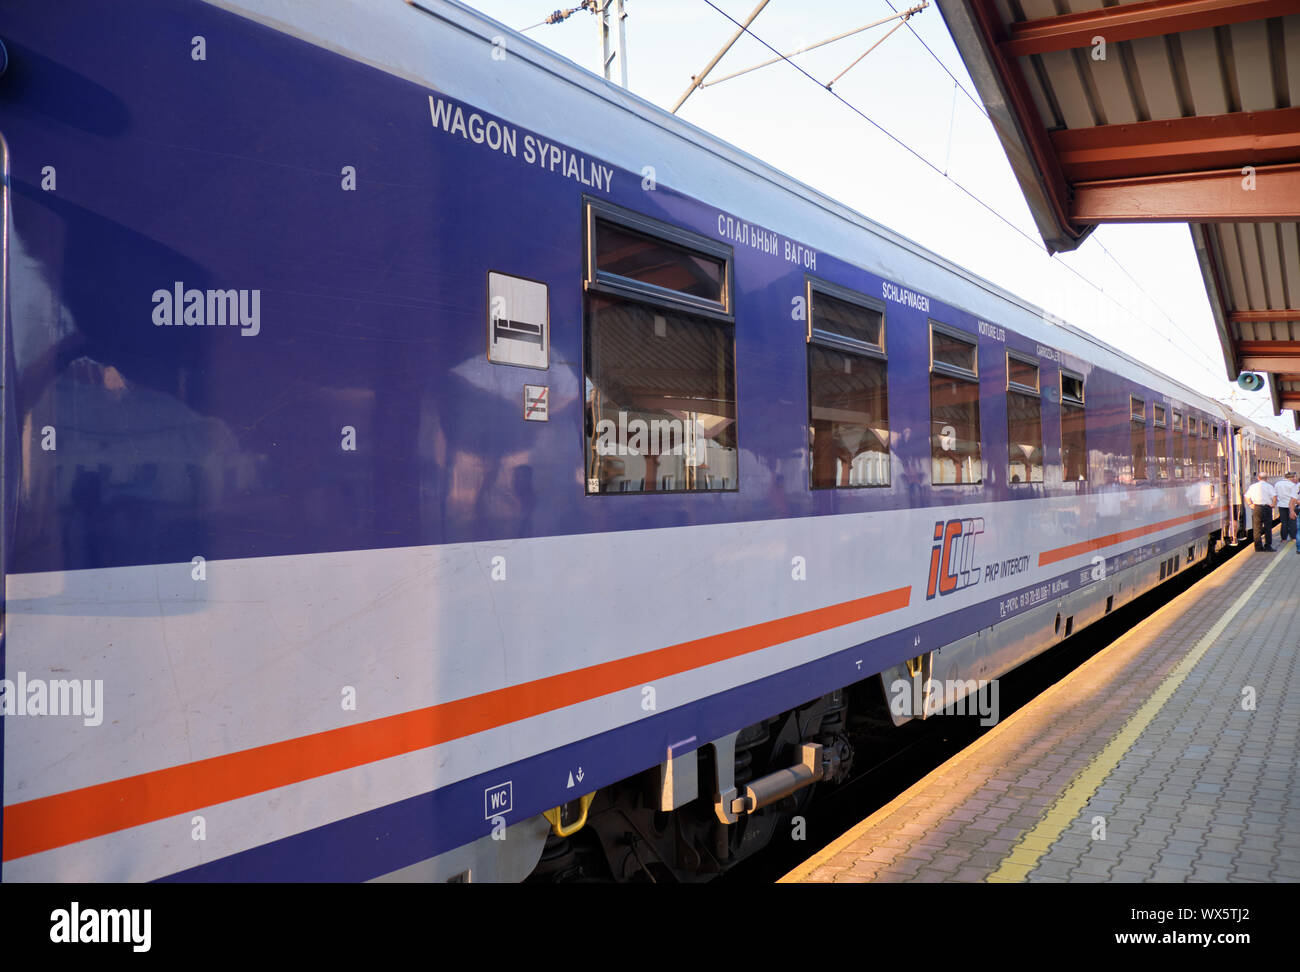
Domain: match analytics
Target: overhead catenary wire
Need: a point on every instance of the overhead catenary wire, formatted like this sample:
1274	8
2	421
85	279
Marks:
813	47
875	124
741	29
984	111
1154	303
979	105
888	34
1033	241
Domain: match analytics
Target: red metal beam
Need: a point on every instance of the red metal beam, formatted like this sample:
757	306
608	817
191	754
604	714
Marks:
1284	348
1179	145
1278	357
1133	20
1196	197
1264	316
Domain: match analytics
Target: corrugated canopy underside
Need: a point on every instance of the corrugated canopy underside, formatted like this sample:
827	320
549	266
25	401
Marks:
1160	111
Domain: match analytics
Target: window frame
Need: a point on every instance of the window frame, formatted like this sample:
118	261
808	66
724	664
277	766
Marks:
838	341
845	345
1178	445
606	284
961	374
1081	401
1069	402
1159	418
1016	388
1141	422
615	285
1025	358
953	371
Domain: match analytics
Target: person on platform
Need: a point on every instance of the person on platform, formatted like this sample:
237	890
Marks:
1295	511
1262	499
1286	488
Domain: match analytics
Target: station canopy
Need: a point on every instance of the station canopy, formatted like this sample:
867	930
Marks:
1160	111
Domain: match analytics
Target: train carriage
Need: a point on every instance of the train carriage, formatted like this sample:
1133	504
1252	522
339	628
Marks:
431	462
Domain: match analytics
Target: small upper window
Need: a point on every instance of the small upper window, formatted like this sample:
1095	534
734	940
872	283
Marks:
622	252
1071	388
1022	373
838	317
951	352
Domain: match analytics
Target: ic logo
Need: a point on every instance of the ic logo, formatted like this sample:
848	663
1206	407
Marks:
951	567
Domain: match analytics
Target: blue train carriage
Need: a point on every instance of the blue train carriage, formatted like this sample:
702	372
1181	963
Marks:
425	460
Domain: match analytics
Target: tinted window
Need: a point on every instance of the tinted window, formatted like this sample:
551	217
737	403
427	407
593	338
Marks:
1074	440
661	400
1161	441
660	380
1024	423
1138	437
954	411
646	260
848	394
833	317
953	351
848	399
1176	446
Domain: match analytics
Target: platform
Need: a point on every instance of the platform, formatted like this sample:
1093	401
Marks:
1170	756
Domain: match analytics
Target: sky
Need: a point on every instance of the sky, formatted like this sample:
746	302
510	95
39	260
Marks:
1138	288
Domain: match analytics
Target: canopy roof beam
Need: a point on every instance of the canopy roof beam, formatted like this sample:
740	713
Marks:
1267	194
1134	20
1178	145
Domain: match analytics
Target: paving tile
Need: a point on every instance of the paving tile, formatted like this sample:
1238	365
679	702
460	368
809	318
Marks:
1207	792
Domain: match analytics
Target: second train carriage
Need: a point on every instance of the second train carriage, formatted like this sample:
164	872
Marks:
447	462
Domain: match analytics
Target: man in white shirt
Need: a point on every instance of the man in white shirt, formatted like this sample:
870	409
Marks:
1286	488
1261	497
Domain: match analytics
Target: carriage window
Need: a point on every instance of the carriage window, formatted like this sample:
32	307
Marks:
623	253
848	389
1176	442
954	408
1024	422
1161	441
1138	437
1074	442
659	358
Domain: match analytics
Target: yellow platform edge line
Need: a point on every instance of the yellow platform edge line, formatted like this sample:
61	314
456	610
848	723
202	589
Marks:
799	873
1025	855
